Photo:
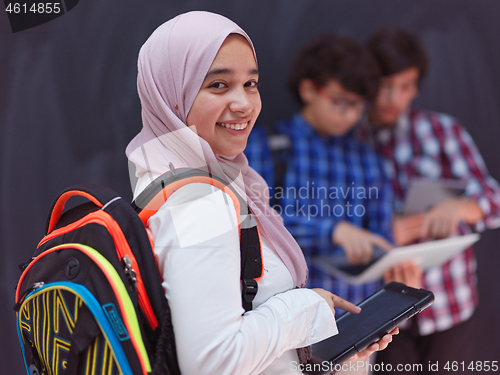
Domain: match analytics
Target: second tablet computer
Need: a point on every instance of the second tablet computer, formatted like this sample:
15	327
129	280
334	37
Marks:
380	314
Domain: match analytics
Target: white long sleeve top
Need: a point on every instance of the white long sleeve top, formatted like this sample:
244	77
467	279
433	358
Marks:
197	245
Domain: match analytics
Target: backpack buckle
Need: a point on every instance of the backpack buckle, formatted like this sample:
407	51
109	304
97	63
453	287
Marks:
248	292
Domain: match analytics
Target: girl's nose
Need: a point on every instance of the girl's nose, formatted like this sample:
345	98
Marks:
240	102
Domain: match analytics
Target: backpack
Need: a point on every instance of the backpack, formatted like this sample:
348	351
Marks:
90	300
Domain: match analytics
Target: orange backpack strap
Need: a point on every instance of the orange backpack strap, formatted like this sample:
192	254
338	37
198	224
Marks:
99	195
157	193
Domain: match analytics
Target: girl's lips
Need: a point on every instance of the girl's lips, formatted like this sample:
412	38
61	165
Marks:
236	129
234	126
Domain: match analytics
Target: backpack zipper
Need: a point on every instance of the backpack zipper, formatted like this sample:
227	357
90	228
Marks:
32	288
123	249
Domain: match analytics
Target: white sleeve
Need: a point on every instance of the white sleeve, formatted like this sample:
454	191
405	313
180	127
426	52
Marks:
197	244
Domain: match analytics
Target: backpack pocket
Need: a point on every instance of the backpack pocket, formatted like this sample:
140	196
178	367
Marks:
84	326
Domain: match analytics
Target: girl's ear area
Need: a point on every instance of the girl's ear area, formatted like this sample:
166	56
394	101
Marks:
307	91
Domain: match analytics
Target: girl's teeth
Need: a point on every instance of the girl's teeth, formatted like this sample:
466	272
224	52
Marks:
232	126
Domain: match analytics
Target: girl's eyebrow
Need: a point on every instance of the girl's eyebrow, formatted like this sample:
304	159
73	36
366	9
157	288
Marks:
228	72
219	71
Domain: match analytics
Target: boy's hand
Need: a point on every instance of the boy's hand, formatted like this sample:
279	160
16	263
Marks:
407	229
407	273
358	243
443	219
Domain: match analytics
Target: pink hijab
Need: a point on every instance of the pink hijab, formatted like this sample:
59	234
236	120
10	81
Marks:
172	66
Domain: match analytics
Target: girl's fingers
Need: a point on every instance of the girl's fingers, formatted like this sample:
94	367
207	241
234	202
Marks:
345	305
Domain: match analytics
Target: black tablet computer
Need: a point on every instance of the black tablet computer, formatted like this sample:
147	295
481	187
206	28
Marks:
380	314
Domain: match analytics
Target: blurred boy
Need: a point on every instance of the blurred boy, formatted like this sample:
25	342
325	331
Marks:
418	143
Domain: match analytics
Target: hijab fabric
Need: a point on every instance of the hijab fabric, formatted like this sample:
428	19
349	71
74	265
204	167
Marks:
172	66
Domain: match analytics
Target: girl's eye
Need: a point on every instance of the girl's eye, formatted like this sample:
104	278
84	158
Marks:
252	84
217	85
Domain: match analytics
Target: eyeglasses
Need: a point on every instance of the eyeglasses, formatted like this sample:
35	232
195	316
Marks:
340	104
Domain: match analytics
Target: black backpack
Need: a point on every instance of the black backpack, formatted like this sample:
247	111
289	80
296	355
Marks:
90	300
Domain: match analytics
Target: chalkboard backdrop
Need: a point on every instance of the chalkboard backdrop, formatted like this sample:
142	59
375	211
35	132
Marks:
69	106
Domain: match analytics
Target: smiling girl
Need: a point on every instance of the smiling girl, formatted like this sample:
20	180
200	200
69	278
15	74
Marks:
197	83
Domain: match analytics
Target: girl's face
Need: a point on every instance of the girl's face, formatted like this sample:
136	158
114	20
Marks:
228	103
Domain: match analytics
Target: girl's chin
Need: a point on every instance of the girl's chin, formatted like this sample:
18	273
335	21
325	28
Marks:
231	150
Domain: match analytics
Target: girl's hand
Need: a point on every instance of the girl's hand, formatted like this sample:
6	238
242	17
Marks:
359	360
335	301
375	347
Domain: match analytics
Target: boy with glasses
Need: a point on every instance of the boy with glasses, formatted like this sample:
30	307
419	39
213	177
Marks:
416	144
328	187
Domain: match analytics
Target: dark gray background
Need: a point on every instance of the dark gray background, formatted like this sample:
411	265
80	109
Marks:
69	106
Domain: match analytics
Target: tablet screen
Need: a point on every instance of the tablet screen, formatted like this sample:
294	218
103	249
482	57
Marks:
378	309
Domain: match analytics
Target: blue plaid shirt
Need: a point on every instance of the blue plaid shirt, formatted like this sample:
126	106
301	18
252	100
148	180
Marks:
327	180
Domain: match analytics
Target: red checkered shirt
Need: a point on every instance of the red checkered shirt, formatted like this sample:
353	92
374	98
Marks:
435	146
